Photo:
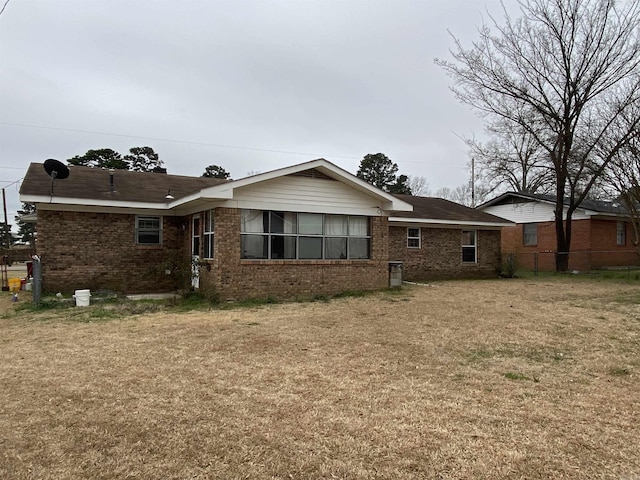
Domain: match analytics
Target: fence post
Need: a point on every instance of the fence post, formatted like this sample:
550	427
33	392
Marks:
37	279
535	263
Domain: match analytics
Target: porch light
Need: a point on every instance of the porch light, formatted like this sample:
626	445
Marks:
168	196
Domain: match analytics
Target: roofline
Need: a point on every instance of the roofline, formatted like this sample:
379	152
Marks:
528	196
93	203
532	196
427	221
225	191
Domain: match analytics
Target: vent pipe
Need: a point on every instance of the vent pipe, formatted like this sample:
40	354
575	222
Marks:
111	187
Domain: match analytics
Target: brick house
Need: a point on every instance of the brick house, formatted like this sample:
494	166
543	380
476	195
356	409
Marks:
304	230
601	234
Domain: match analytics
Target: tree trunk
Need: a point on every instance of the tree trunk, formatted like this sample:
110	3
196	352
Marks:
563	246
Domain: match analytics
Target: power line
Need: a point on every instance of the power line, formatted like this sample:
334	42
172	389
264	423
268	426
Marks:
4	6
204	144
186	142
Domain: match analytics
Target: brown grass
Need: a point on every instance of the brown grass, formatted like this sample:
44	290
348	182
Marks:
487	379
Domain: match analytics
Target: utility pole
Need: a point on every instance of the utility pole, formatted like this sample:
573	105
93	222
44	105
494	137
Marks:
7	238
473	182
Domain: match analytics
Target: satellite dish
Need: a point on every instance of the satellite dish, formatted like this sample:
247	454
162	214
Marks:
55	169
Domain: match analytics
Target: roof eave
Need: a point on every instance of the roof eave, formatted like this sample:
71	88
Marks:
225	191
469	223
94	203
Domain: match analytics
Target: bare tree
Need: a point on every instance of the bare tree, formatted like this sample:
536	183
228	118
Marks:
565	72
418	186
463	194
623	180
512	158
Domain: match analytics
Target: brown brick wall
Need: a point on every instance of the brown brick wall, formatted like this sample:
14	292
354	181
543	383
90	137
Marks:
440	255
232	278
98	251
593	245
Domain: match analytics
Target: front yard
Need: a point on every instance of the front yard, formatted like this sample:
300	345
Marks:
525	378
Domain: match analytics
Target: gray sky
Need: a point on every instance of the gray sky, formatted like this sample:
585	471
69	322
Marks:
247	85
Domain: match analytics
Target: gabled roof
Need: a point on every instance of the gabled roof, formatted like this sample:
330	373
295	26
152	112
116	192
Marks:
322	166
91	187
597	206
440	211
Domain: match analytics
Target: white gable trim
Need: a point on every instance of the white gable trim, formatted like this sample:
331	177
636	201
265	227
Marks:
226	190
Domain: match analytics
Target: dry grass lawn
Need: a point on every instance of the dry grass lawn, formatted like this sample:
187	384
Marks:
456	380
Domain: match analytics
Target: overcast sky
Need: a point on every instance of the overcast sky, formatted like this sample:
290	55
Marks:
247	85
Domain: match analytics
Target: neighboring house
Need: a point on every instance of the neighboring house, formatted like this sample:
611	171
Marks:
305	230
601	234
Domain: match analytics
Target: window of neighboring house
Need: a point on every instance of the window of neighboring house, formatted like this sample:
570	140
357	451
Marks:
530	234
195	236
469	254
279	235
621	238
148	230
208	234
413	237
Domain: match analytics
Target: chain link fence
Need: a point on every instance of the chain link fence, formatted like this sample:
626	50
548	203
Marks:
579	261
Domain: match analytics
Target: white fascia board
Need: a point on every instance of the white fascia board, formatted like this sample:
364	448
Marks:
83	202
225	191
463	223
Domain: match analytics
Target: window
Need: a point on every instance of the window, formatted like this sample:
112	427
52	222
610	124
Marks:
208	234
413	238
148	230
280	235
469	246
621	238
195	237
530	234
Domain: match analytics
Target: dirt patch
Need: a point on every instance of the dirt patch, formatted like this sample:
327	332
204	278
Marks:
484	379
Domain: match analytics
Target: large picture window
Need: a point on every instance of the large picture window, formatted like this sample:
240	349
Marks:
469	253
148	230
280	235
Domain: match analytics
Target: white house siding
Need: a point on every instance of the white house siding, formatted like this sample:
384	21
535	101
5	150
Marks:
301	194
530	212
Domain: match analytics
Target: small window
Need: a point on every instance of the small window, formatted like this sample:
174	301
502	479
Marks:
195	242
413	238
208	234
469	254
530	234
149	230
621	238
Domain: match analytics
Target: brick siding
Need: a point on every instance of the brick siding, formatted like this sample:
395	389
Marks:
440	254
593	245
99	251
231	278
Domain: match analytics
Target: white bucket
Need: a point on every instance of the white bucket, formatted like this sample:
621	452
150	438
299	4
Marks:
83	298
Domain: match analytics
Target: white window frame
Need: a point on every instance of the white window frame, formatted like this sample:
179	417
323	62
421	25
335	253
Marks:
142	230
411	239
473	246
195	236
208	234
256	220
621	233
530	239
